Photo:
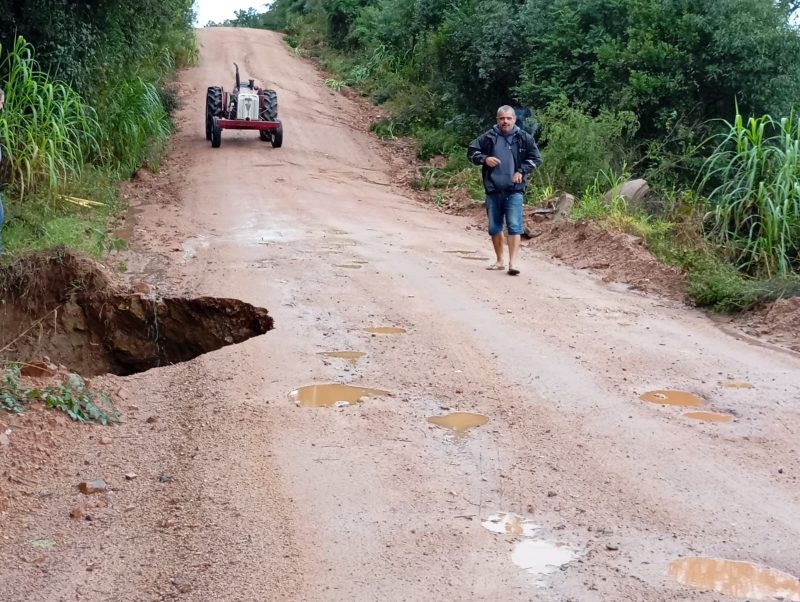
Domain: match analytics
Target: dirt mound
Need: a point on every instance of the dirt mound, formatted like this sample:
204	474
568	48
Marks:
616	256
778	323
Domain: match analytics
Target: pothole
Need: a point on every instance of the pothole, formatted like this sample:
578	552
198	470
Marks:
737	384
709	416
72	311
459	422
735	578
352	356
510	524
335	395
672	398
385	330
539	557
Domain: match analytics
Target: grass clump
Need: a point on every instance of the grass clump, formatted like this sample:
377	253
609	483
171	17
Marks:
71	396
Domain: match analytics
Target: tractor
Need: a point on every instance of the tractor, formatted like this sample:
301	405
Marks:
246	108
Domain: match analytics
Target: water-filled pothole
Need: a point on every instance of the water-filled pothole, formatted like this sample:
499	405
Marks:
385	330
538	557
735	578
352	356
72	310
459	422
737	384
709	416
332	395
672	398
510	524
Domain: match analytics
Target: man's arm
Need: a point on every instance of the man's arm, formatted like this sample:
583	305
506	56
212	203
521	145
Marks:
474	152
532	159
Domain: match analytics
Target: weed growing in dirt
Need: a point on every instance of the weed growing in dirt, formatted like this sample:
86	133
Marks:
72	396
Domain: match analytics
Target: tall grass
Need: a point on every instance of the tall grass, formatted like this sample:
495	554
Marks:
47	131
755	174
135	126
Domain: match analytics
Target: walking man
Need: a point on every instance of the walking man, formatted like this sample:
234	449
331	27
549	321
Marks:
507	156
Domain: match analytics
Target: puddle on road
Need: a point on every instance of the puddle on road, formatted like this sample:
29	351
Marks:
385	330
474	257
460	252
349	266
353	356
537	556
735	578
737	384
672	398
709	416
459	422
332	395
511	524
540	557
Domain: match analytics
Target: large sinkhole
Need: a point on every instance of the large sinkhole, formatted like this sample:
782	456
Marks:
72	311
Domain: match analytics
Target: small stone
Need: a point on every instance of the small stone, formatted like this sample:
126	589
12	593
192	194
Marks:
4	440
612	547
165	478
129	476
551	494
780	471
151	419
166	523
105	440
75	513
90	487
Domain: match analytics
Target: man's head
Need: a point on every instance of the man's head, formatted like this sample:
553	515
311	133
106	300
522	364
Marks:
506	118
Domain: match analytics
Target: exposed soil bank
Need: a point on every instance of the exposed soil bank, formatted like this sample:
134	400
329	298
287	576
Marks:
71	310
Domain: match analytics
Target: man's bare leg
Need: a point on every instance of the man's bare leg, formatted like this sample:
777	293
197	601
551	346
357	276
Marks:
513	247
497	243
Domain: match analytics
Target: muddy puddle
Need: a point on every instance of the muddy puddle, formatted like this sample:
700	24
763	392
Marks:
459	422
672	398
708	416
735	578
332	395
510	524
737	384
351	356
385	330
73	311
539	557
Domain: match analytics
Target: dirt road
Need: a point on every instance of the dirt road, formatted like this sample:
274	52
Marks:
239	494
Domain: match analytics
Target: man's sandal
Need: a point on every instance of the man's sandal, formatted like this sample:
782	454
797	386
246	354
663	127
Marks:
513	271
496	266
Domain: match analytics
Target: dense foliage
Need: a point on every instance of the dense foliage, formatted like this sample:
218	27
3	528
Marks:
86	105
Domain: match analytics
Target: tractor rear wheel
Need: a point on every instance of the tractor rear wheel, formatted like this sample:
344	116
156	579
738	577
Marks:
269	112
213	108
216	133
277	135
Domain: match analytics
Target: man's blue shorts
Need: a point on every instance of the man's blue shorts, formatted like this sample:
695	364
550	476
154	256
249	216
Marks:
504	205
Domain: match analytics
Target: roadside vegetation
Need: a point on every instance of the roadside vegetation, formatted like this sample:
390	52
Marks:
86	104
697	98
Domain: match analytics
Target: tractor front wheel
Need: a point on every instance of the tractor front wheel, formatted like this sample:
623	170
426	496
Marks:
269	108
277	135
216	133
213	108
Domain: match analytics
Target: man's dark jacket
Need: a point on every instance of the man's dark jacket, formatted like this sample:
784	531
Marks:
526	156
